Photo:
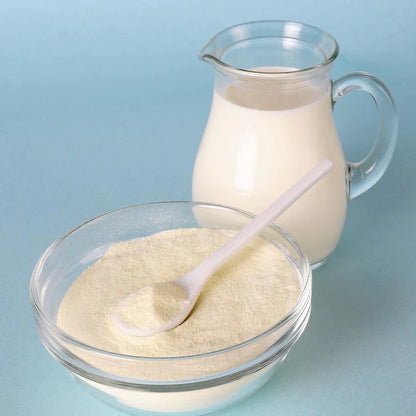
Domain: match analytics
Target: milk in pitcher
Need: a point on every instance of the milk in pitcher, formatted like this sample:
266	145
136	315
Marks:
258	142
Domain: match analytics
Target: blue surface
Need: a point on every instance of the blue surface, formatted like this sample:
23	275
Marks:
102	105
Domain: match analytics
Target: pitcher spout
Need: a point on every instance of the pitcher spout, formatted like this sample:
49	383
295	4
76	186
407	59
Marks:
208	51
211	52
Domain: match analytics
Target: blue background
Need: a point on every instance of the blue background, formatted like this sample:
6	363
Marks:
103	104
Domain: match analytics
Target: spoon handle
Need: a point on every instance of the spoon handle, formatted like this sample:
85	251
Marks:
208	266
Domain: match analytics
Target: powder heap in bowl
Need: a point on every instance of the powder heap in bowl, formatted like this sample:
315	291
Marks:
249	294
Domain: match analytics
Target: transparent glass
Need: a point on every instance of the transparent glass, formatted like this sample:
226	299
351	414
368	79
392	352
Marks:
272	119
191	385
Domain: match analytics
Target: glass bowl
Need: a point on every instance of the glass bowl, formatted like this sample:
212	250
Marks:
197	384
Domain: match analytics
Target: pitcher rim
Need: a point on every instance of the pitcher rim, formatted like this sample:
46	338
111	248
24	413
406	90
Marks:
227	68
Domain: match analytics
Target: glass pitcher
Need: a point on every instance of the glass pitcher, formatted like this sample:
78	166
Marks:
271	120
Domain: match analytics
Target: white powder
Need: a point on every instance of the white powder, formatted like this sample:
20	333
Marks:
152	306
246	296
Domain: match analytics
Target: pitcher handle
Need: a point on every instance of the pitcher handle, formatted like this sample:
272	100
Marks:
364	174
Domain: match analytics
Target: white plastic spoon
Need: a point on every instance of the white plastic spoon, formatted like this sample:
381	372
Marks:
194	281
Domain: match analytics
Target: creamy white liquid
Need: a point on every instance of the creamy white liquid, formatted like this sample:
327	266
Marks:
257	143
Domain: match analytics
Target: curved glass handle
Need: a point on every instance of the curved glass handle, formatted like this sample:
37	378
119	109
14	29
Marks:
364	174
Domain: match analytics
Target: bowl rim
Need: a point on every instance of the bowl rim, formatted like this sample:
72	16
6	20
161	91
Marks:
43	317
